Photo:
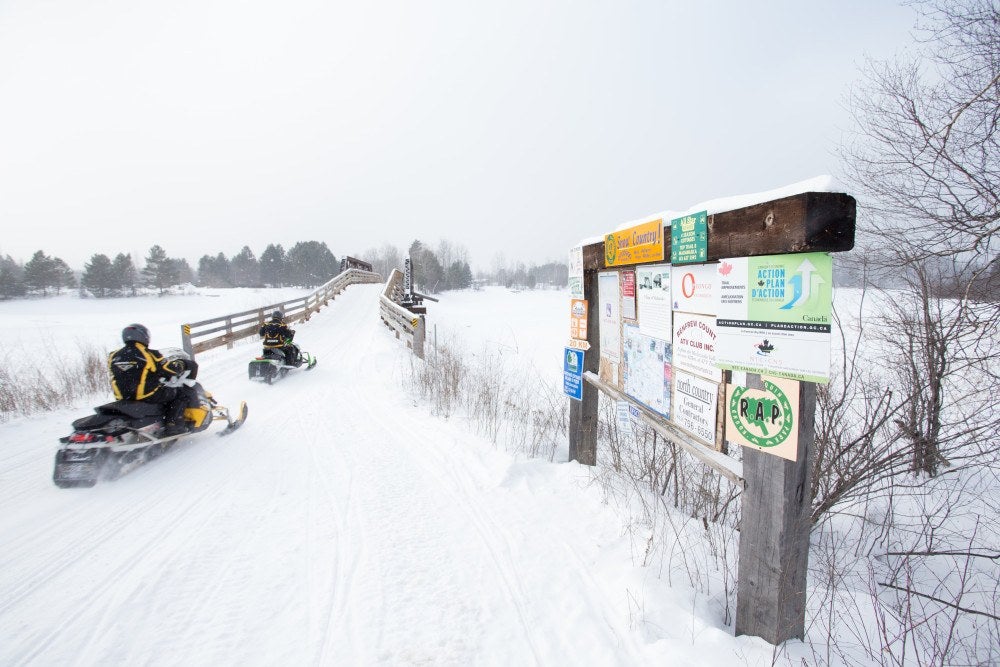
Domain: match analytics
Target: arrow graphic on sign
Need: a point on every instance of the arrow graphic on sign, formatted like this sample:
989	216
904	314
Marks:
803	282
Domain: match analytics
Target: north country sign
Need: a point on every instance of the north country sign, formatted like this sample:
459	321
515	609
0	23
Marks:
766	419
642	243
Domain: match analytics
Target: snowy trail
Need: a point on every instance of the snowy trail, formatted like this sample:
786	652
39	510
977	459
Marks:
339	526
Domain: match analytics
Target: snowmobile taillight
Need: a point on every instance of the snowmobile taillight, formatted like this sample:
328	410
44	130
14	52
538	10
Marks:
82	437
109	438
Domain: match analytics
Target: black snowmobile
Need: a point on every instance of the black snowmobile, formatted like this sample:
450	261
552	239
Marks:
123	435
273	364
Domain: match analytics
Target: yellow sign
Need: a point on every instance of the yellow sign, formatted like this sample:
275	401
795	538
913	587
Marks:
187	329
414	322
642	243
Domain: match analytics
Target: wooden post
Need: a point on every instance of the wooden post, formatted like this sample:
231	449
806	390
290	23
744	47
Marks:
774	533
229	333
583	414
419	333
186	340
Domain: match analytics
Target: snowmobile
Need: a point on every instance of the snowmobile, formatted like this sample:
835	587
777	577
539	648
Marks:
272	364
123	435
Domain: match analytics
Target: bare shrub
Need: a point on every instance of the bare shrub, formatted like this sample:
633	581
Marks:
26	390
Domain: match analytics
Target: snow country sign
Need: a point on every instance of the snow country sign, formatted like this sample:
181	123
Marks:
765	419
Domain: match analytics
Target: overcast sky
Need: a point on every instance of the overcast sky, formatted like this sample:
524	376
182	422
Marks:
514	127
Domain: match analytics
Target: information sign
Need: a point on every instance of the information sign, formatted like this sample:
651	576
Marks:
628	294
648	371
694	287
689	239
573	373
695	338
642	243
766	419
578	319
774	315
654	300
576	273
695	405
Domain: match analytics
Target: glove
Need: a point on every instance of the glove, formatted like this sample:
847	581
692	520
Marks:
181	380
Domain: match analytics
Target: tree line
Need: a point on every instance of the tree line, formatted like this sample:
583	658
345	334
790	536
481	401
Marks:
306	264
447	268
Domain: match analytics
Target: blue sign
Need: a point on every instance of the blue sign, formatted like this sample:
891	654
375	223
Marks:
573	373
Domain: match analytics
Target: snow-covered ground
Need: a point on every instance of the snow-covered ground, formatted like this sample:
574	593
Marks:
342	525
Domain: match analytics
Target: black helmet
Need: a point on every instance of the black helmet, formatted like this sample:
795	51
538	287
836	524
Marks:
276	316
137	333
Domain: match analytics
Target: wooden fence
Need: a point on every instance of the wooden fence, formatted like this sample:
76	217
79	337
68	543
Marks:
407	325
226	330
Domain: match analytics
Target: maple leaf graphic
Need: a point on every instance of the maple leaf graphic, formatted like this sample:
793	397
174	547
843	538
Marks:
725	268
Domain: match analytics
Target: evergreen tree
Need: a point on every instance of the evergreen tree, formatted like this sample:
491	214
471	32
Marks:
427	270
10	282
272	266
459	275
310	263
245	269
40	273
99	276
185	276
125	277
62	274
161	271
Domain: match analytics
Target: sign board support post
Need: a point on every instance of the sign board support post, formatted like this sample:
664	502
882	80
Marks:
583	414
774	533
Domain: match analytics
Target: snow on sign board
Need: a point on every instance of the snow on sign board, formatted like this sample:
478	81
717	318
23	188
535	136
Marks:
774	315
642	243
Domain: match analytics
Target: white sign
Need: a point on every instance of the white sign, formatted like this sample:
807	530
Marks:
647	369
653	294
695	339
696	406
576	273
693	288
610	318
624	414
774	315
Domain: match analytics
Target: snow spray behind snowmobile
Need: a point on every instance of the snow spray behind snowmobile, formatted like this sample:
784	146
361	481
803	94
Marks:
273	364
123	435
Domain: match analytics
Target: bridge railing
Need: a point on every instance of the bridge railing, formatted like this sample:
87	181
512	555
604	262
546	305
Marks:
407	325
227	329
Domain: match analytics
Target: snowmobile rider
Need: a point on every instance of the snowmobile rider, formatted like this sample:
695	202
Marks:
139	373
277	335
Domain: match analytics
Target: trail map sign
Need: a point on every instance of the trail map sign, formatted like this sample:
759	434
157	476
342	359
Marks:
648	371
774	315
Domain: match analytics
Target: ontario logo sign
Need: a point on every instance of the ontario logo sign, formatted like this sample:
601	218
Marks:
764	418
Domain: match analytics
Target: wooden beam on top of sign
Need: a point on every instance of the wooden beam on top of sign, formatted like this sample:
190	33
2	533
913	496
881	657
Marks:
807	222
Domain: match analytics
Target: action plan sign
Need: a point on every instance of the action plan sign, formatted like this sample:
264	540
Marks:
774	315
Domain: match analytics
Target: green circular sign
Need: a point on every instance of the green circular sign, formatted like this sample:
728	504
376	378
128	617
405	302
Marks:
610	249
756	417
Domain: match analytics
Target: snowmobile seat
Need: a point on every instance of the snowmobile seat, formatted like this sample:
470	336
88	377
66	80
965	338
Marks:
131	409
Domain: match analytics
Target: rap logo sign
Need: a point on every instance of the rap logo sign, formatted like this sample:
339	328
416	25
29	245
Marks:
766	418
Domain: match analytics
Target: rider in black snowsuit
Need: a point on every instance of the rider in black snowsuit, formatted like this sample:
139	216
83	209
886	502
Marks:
139	373
277	335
